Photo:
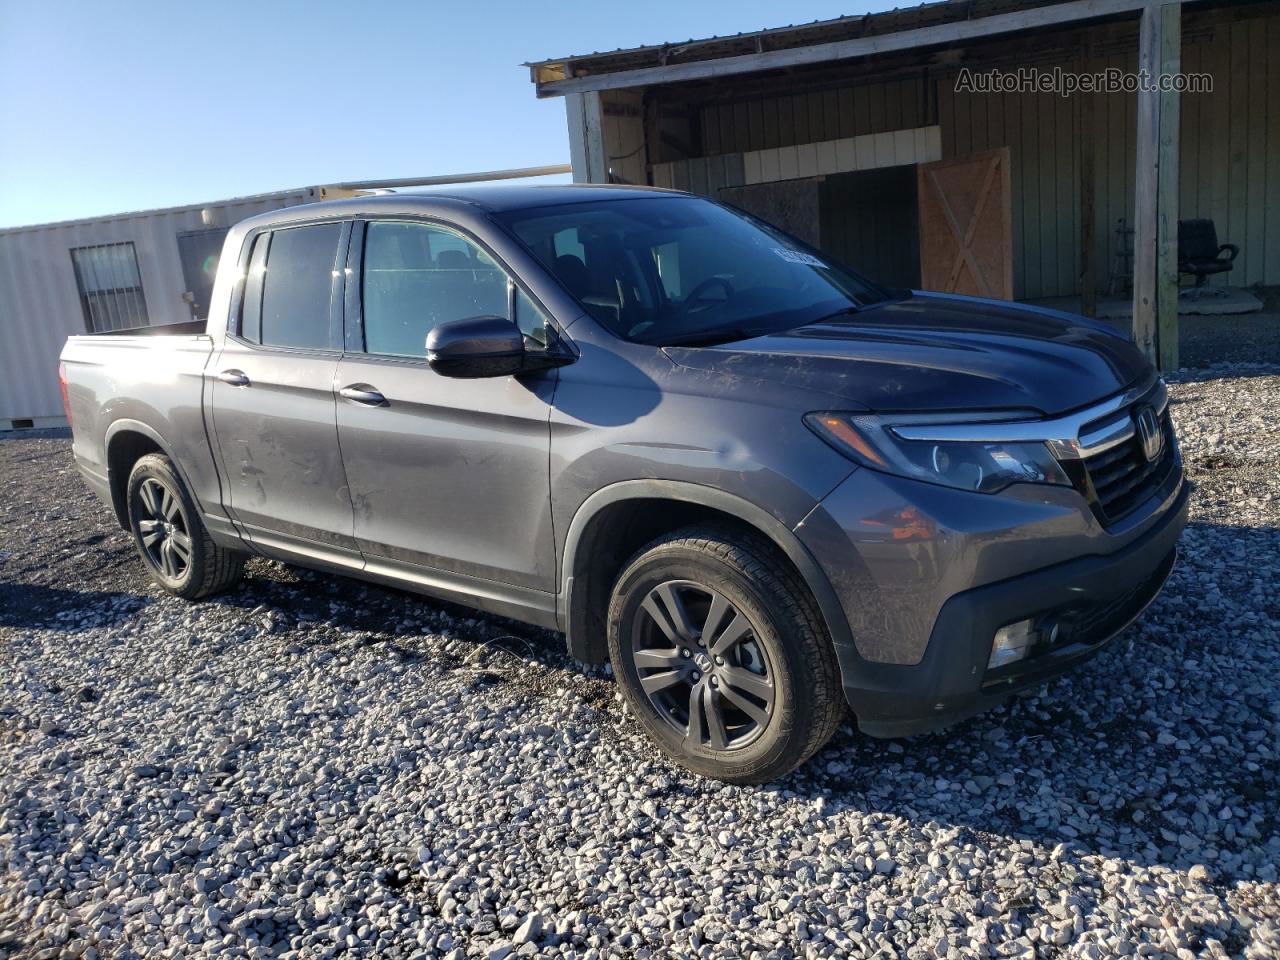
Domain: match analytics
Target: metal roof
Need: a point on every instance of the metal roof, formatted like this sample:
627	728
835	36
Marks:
787	37
301	192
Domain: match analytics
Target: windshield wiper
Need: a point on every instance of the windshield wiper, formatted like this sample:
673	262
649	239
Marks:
707	338
842	312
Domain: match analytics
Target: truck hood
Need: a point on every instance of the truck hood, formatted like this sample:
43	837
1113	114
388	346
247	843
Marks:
938	352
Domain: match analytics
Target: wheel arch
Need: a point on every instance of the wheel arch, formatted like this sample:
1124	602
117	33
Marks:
126	442
634	512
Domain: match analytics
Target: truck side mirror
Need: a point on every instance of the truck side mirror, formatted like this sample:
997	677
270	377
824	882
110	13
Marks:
476	347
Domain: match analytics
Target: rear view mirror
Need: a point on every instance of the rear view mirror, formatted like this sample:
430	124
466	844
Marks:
476	347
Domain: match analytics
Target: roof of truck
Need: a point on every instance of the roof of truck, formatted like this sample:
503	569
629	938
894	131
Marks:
485	199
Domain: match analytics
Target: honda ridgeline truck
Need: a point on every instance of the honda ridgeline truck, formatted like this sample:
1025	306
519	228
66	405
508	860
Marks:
762	487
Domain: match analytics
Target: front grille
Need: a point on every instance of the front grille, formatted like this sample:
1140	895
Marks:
1121	478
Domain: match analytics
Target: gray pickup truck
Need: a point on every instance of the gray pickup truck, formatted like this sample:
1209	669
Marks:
763	488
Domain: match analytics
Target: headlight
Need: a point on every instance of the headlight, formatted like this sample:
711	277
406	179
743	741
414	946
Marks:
966	465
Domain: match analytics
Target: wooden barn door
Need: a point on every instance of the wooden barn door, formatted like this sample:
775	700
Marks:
966	225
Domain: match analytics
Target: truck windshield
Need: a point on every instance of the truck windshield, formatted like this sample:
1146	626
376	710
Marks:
682	270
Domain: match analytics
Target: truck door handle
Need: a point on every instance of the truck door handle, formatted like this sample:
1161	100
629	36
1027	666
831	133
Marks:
236	378
363	393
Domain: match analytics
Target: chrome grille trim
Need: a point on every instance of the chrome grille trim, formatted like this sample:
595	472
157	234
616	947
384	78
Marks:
1072	436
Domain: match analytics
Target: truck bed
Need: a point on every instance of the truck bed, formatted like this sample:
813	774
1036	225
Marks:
185	329
140	386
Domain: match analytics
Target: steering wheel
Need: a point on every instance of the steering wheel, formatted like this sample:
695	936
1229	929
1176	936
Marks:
696	294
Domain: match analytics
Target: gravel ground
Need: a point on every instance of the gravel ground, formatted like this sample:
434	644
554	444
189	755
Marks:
1233	338
308	767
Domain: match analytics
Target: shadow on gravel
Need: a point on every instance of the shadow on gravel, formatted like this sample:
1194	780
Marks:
37	607
300	595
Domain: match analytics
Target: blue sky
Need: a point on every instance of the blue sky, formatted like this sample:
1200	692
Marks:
124	105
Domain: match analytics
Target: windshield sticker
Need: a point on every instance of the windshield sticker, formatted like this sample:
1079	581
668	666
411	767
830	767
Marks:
795	256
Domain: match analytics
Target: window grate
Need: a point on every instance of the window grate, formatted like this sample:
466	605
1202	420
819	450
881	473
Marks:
110	287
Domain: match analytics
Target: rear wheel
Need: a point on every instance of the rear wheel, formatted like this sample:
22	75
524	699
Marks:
171	539
719	650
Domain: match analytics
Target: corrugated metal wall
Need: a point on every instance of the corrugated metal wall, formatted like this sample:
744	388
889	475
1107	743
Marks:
873	107
1042	131
1230	157
40	303
1230	154
623	129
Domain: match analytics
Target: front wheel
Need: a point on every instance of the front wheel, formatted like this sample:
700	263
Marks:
170	537
720	651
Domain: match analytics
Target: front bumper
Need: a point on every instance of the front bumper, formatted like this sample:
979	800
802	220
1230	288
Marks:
1094	597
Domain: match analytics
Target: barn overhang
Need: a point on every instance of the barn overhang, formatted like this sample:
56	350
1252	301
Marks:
643	97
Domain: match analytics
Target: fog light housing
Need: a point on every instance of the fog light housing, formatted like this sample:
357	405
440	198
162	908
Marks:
1014	641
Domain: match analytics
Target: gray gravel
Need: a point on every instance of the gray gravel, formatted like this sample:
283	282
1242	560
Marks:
310	767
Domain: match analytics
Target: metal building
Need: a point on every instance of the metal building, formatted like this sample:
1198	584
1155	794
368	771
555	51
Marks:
857	134
104	273
130	270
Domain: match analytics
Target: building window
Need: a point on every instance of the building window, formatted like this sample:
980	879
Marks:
110	287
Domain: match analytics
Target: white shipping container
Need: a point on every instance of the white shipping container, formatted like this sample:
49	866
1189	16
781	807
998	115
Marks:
41	301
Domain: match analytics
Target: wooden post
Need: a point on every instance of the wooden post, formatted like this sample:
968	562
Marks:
1088	209
1155	221
652	145
1167	205
586	137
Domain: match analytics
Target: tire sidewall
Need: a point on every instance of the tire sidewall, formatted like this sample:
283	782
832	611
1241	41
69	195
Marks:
157	467
683	561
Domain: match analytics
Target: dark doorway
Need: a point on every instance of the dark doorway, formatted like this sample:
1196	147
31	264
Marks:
870	221
199	252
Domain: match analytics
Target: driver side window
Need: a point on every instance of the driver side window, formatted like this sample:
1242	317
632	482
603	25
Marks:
416	276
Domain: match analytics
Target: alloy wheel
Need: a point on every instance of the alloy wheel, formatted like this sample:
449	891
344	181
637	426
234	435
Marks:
163	530
702	667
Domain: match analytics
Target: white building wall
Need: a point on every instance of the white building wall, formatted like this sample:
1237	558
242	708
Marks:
40	302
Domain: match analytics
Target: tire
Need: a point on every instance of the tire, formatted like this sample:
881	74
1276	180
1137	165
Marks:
776	687
171	539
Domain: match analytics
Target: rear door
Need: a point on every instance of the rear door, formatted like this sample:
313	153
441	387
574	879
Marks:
449	477
273	395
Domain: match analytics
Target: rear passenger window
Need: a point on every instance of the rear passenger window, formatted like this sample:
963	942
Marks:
417	276
296	285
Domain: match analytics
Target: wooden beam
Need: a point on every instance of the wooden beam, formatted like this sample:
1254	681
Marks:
1146	186
1088	208
947	33
1155	222
585	119
1167	193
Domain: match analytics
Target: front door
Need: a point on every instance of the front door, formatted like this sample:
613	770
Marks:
966	225
449	477
273	404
